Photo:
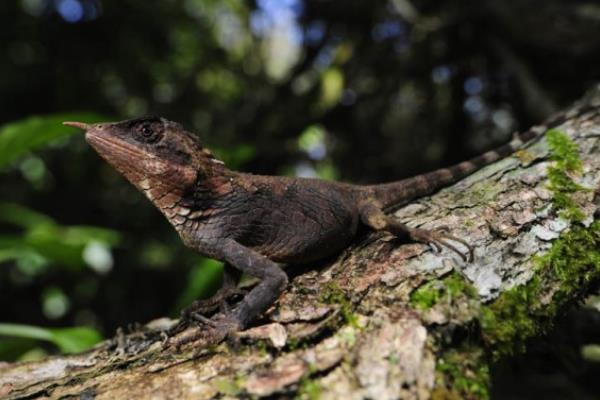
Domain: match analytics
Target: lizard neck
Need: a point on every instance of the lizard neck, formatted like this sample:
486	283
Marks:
195	204
184	194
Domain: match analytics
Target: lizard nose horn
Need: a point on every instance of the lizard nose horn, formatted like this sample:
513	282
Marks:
79	125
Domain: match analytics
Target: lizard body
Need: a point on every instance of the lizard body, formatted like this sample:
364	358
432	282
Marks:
253	222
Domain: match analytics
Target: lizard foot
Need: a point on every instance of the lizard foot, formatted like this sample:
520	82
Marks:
218	301
203	308
206	330
440	239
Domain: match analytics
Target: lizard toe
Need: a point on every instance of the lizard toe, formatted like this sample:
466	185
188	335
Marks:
206	330
439	239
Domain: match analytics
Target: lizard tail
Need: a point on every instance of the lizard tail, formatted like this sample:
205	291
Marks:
403	191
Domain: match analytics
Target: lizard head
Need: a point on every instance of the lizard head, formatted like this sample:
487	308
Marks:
158	156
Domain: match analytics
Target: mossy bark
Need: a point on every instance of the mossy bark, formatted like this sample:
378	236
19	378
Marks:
387	319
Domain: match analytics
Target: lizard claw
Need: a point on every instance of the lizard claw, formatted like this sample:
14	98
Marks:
214	303
436	247
208	330
203	320
443	229
439	239
198	310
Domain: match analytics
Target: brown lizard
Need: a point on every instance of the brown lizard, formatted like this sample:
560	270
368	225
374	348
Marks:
254	222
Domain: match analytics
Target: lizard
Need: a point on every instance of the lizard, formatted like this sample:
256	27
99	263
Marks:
253	223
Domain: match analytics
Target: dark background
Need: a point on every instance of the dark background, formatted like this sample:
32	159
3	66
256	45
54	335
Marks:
361	91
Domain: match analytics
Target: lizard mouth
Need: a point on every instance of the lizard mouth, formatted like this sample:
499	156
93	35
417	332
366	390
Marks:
112	148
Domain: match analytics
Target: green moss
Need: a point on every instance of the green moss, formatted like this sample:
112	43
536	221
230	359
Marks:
461	373
446	289
508	322
524	156
334	295
348	337
426	296
456	285
565	155
441	393
293	344
518	314
228	386
563	151
483	192
469	223
309	389
572	261
465	373
261	347
574	258
528	310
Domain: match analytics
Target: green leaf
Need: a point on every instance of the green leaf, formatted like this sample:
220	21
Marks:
203	281
21	137
311	137
591	352
44	240
75	340
21	216
51	242
332	86
68	340
12	349
25	331
82	235
9	254
29	261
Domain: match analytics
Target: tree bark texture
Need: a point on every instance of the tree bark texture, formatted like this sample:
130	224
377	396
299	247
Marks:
388	319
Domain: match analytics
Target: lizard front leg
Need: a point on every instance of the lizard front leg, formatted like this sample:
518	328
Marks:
372	215
272	282
204	307
228	289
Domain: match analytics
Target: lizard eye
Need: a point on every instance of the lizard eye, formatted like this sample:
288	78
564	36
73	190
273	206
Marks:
149	132
146	131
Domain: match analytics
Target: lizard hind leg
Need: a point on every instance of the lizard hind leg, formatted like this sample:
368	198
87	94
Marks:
373	216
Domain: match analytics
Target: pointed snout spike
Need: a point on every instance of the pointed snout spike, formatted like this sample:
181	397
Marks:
79	125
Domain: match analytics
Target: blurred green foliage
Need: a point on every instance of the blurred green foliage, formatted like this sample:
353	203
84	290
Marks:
43	242
68	340
39	243
19	138
202	280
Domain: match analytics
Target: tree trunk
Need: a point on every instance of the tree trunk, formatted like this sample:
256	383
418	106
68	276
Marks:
388	319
